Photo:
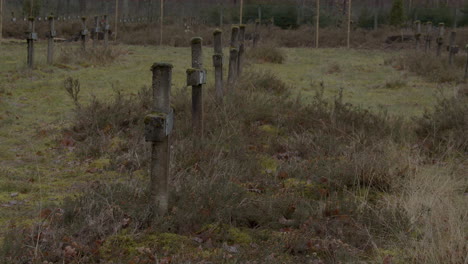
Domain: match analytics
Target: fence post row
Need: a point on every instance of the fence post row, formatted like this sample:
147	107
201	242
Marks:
32	36
440	38
218	64
428	36
240	61
232	74
452	49
196	77
84	33
418	34
158	128
51	35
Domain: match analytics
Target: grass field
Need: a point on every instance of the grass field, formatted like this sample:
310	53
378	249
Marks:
34	108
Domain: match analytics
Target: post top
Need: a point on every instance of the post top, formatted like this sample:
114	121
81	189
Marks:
31	18
428	23
196	40
242	26
233	49
235	28
257	21
417	22
217	31
441	24
161	65
83	18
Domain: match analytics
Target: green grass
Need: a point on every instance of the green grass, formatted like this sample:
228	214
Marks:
34	107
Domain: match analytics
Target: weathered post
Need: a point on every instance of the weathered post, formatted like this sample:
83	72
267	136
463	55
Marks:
466	65
256	36
240	62
32	36
158	128
97	30
417	35
106	31
51	35
453	49
428	36
440	39
84	33
233	54
196	77
218	64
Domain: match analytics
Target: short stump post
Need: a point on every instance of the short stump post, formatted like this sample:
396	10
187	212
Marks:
233	57
428	36
158	128
106	31
417	35
440	39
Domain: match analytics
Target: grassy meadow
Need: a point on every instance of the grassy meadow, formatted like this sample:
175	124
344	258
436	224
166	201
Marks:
324	158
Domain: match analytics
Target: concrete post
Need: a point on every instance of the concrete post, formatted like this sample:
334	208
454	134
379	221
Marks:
428	36
97	30
32	36
196	77
256	36
240	62
84	33
453	49
417	36
106	31
440	39
158	127
52	34
218	64
233	54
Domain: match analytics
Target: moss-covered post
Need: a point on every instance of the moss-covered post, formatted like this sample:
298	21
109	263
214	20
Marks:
428	36
51	35
218	64
106	31
440	39
453	49
233	54
196	77
417	35
97	30
240	59
31	37
158	128
84	33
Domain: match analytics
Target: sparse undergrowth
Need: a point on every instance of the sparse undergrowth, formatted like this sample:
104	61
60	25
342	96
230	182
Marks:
267	53
277	181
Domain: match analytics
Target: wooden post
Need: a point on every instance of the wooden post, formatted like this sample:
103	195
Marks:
349	25
196	77
466	65
218	64
162	22
240	62
97	30
241	12
106	32
317	24
84	33
417	36
32	36
453	48
428	36
52	34
116	19
158	128
233	54
440	39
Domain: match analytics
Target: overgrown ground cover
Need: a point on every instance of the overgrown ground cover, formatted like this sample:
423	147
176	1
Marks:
291	173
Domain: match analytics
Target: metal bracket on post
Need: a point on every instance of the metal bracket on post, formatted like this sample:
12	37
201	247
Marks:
158	126
32	36
196	77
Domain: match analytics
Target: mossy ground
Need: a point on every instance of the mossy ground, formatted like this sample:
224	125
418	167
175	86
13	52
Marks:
34	108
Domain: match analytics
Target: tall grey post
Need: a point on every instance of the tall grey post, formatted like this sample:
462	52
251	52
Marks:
84	33
240	62
218	64
196	77
31	37
158	128
51	35
453	48
440	39
106	31
417	36
233	54
97	30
